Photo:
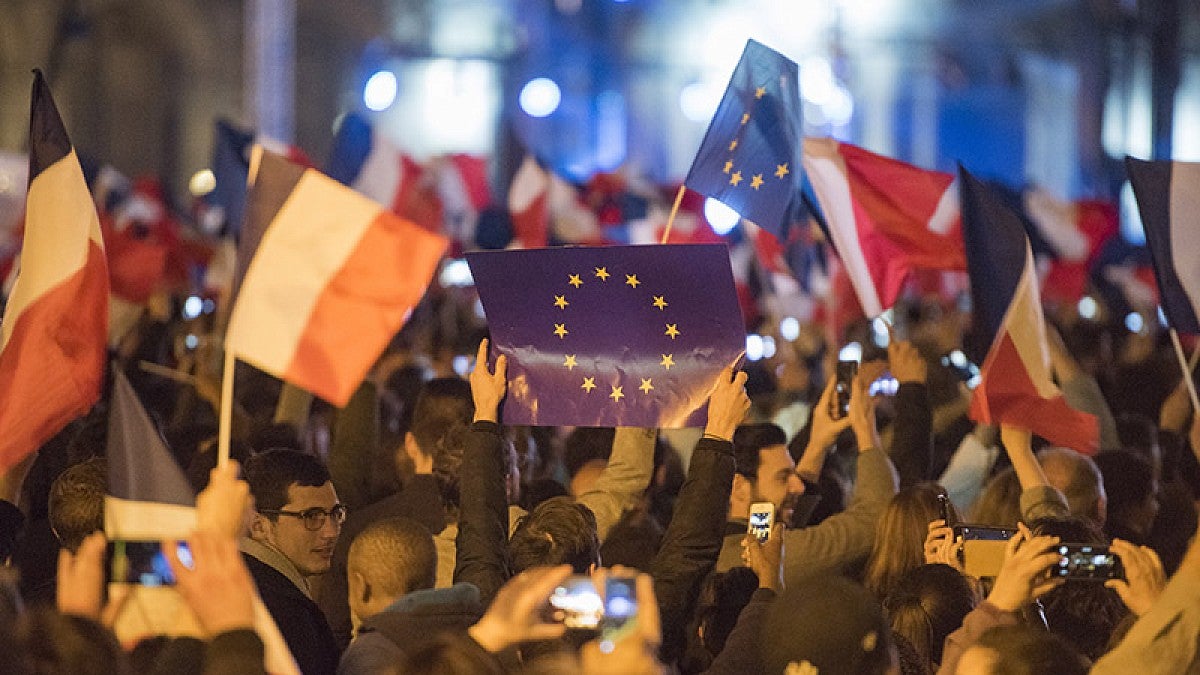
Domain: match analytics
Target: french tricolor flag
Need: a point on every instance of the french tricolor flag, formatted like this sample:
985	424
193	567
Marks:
55	326
1016	387
331	280
1168	196
886	218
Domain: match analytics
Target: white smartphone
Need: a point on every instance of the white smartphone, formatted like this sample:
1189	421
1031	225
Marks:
762	517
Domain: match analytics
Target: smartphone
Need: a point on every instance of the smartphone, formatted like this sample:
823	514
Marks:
944	509
846	370
982	548
762	518
576	604
143	562
620	607
1087	562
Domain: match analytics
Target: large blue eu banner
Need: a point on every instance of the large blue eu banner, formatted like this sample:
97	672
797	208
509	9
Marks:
611	336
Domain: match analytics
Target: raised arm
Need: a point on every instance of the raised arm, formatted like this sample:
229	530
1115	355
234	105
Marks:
624	479
1039	499
911	449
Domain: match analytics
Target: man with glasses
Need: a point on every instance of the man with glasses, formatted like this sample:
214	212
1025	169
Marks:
296	524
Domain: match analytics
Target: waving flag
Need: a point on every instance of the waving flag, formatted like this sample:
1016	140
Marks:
55	326
331	282
611	336
750	156
1168	196
886	218
528	204
1016	387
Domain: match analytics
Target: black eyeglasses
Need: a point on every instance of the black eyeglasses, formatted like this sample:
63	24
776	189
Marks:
314	518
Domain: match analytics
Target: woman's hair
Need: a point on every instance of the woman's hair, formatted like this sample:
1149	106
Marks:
928	604
999	505
900	537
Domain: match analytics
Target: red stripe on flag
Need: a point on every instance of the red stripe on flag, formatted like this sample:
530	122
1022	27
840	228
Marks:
363	306
1007	395
52	368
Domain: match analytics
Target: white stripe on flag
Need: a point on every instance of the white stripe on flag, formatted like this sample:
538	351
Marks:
380	175
146	521
1184	212
947	212
1023	321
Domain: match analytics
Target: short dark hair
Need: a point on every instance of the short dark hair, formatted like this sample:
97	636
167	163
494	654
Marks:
1022	650
447	464
558	531
443	403
1128	479
395	554
77	502
749	440
1137	433
928	604
586	444
271	473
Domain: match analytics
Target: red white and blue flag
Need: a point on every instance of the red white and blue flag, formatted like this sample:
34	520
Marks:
1016	386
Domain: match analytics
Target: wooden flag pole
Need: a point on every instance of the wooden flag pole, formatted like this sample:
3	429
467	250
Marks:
226	420
169	373
674	211
1187	372
1195	358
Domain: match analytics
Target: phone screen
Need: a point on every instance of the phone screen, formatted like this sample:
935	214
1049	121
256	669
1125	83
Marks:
846	370
576	604
1087	562
620	607
762	517
143	563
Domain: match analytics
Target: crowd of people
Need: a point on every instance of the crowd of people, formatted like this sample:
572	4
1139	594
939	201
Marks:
412	532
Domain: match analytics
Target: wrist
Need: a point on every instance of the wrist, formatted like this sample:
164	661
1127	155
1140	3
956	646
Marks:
488	635
718	434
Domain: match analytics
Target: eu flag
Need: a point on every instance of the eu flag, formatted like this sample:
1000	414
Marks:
611	336
750	157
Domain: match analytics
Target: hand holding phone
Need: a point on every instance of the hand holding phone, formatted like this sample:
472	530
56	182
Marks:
1087	562
846	370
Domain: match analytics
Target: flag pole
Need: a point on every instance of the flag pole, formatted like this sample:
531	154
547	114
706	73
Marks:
226	420
1187	372
674	212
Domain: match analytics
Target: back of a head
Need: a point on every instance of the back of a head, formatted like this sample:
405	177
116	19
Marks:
586	444
900	537
999	504
1023	650
443	403
559	531
749	440
447	465
1078	478
1128	480
1138	434
449	654
832	624
45	642
722	599
77	502
395	555
271	473
928	604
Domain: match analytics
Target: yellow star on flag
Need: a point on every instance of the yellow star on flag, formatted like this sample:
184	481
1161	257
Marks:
659	302
732	145
575	281
728	166
632	280
560	301
758	93
616	394
745	117
668	361
569	361
757	181
560	329
602	273
781	170
589	383
735	178
646	386
672	331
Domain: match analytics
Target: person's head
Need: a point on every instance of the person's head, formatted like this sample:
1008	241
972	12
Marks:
447	464
558	531
1139	435
900	536
766	471
47	642
388	559
721	601
443	404
999	505
296	508
585	455
77	502
926	605
1021	650
1084	613
1076	476
1132	492
831	624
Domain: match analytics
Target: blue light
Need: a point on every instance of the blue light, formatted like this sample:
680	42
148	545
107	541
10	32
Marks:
1134	322
722	218
380	91
540	97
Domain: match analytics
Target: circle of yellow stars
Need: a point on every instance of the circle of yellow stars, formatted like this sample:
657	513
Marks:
756	179
571	361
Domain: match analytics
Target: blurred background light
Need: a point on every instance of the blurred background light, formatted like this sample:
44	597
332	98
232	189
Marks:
202	183
789	328
699	100
816	80
722	218
380	90
754	347
1134	322
851	352
1087	307
540	97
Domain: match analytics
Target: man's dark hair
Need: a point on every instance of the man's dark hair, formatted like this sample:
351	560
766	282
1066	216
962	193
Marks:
77	502
447	464
443	403
1128	480
749	440
396	555
587	444
928	604
1022	650
559	531
271	473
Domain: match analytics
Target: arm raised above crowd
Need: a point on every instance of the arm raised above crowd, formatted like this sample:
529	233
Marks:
624	479
911	448
1039	499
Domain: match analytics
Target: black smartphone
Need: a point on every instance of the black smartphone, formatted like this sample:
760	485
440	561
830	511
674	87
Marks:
620	607
142	562
983	548
846	370
1087	562
944	509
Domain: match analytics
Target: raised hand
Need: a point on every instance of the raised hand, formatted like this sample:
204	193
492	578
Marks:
488	388
1024	575
1144	578
727	405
